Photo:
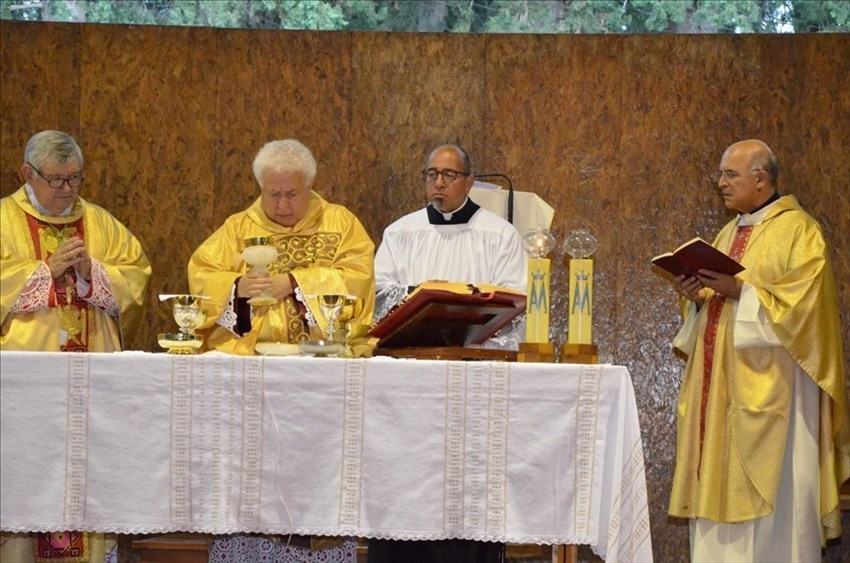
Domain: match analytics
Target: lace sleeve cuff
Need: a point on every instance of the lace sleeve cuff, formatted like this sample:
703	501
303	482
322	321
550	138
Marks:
228	318
36	292
299	296
101	290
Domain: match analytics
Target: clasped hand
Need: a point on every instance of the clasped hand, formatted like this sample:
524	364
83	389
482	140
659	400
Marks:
255	283
71	254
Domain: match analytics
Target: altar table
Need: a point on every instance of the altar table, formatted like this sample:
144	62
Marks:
135	442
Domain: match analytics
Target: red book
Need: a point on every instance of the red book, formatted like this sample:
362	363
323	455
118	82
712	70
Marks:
695	255
440	314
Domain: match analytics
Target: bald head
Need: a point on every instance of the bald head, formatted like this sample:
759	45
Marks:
747	175
758	155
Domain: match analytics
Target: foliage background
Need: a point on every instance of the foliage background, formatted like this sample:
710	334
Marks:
474	16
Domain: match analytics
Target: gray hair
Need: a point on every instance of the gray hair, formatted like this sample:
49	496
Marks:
52	147
767	160
285	156
461	154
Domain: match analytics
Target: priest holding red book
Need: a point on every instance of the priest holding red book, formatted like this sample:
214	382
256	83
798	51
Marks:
763	440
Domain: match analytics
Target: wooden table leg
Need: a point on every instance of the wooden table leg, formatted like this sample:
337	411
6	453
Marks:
564	554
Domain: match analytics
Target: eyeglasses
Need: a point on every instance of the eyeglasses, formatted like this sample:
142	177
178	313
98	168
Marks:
57	182
448	175
731	174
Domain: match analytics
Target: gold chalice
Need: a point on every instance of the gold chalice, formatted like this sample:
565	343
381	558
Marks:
189	315
259	253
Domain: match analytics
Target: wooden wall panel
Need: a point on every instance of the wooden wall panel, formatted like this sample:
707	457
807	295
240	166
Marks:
297	86
410	93
39	89
147	129
619	133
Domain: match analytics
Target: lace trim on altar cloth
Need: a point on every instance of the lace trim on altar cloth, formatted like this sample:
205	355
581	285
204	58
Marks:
476	448
352	446
631	495
587	412
214	400
234	531
455	448
101	290
76	429
250	549
227	319
299	296
36	292
252	443
222	428
497	442
181	442
226	404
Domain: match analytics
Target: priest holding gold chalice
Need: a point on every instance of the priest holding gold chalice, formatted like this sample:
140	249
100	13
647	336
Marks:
268	267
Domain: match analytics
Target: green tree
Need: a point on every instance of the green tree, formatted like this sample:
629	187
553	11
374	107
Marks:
811	16
477	16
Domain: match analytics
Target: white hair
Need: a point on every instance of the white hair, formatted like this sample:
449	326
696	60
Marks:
288	156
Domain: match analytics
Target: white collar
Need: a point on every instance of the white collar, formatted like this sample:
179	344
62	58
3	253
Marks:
448	216
41	209
756	217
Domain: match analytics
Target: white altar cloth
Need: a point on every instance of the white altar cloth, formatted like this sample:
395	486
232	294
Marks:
387	448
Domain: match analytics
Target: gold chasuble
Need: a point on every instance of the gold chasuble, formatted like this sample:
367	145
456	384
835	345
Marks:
327	251
39	313
35	309
733	422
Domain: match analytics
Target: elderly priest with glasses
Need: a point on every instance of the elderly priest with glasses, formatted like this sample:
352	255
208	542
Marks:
73	279
451	239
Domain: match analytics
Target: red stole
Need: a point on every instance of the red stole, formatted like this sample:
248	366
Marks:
61	547
74	317
715	305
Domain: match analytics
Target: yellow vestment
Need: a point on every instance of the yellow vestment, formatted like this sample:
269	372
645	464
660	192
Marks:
327	251
735	475
106	240
128	271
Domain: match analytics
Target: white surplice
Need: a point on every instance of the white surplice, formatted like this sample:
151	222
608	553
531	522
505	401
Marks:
486	249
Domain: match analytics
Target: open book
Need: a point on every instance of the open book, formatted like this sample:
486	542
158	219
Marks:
695	255
440	314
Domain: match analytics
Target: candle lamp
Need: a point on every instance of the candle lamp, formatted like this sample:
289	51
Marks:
538	242
580	245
